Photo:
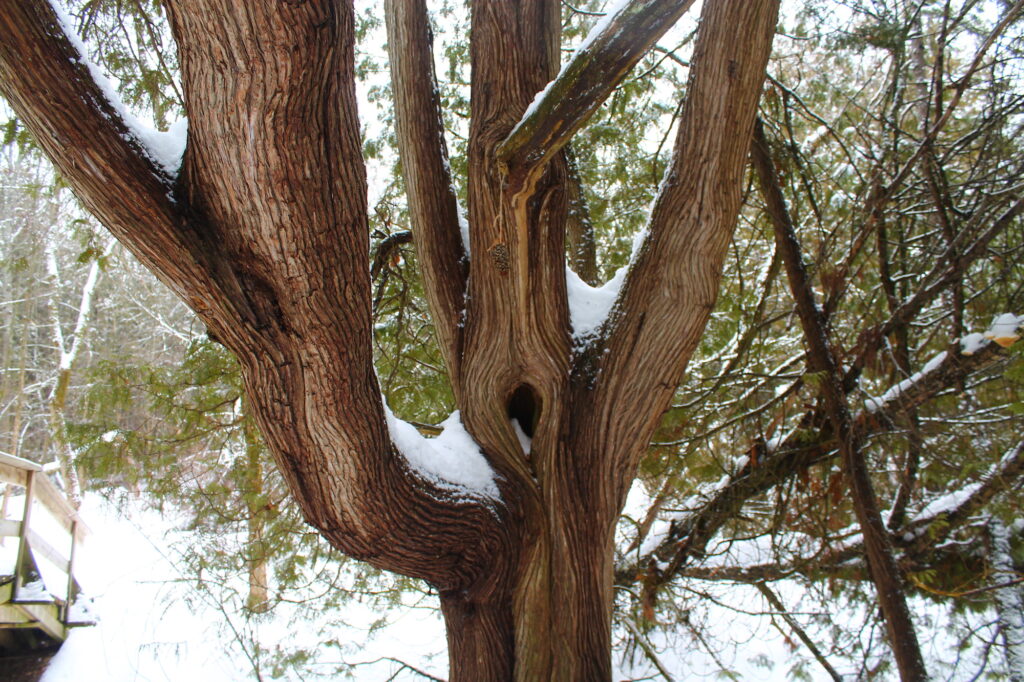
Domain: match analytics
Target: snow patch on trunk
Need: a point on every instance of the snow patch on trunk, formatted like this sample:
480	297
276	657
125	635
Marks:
451	460
590	306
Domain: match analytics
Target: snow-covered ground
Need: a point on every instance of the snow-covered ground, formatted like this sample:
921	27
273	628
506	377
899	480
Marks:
156	626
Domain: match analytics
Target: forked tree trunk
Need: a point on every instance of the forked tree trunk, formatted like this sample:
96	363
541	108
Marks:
264	233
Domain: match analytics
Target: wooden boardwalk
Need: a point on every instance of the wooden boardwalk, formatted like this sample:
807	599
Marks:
38	589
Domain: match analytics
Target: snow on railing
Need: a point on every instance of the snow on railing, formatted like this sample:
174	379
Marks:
38	578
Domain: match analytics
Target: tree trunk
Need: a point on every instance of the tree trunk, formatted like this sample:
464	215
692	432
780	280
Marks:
1009	598
264	233
553	624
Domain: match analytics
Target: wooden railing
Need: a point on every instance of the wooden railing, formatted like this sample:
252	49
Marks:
21	608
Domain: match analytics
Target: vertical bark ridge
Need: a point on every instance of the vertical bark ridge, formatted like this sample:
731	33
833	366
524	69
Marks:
517	314
517	334
273	85
481	644
579	232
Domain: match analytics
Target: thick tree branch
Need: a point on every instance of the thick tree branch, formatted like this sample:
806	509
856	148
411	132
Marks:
277	174
433	207
672	285
50	87
264	234
590	76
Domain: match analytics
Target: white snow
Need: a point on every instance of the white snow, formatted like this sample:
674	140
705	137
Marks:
875	404
146	629
153	627
525	442
947	502
972	343
463	224
537	99
1009	599
589	306
8	555
1005	329
611	11
34	591
452	460
955	498
165	149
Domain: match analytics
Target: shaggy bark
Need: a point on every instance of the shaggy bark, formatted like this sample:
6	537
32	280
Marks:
264	233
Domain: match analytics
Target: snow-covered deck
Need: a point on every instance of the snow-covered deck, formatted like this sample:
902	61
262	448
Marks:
38	538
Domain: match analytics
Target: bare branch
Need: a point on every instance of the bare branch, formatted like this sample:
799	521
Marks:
776	604
822	359
922	544
387	249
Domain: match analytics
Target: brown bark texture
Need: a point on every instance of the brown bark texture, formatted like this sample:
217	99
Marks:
264	233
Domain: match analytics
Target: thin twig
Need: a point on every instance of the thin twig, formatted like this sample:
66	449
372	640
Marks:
776	604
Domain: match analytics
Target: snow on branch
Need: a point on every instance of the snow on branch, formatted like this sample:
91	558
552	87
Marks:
1003	332
596	68
590	306
452	460
937	520
165	149
685	536
751	561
